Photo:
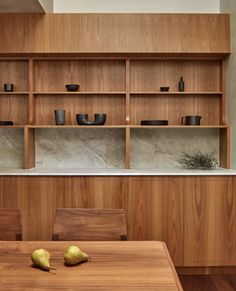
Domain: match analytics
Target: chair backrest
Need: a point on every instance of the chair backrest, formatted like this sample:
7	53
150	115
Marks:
89	224
10	224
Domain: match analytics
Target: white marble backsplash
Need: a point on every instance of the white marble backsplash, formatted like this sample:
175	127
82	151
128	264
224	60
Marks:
80	148
161	148
12	142
157	149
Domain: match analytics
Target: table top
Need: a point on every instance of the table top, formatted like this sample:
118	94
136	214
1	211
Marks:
116	265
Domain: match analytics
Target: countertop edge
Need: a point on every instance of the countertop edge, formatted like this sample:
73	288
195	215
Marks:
114	172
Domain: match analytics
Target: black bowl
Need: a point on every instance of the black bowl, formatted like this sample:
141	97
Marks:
72	87
154	122
164	89
6	122
99	119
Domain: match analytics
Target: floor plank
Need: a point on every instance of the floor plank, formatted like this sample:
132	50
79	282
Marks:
208	282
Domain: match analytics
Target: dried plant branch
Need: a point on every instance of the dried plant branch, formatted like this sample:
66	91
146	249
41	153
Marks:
198	160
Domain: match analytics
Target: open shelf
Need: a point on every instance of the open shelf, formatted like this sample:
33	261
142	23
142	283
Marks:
176	93
174	108
199	75
13	126
14	93
113	107
178	126
127	89
15	108
92	75
79	93
76	126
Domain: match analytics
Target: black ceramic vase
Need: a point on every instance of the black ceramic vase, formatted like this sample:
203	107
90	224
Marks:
181	84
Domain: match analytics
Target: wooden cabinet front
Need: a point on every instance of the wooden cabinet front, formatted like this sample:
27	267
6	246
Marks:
195	216
209	222
154	212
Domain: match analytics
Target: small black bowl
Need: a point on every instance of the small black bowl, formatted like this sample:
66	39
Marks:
99	119
164	89
72	87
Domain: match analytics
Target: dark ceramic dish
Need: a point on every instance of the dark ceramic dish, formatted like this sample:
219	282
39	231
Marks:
6	122
99	119
72	87
164	89
154	122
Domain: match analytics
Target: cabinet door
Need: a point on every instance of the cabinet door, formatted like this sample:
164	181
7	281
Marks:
154	212
98	192
41	196
210	222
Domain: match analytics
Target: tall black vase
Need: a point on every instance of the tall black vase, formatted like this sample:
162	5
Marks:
181	84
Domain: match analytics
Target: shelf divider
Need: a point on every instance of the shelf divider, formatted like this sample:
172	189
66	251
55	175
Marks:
29	147
31	96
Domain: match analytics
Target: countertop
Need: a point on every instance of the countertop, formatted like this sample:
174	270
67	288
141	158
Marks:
115	172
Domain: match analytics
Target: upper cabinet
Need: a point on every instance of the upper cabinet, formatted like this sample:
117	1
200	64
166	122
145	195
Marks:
115	33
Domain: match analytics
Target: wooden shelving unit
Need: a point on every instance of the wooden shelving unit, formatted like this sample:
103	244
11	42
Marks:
126	89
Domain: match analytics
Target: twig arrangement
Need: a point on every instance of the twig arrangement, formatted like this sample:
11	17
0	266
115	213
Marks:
198	160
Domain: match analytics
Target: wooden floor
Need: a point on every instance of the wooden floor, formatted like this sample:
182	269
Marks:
209	283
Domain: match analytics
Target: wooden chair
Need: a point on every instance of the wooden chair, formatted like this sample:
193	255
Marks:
10	224
89	224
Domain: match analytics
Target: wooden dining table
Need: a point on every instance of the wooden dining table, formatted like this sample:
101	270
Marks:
114	265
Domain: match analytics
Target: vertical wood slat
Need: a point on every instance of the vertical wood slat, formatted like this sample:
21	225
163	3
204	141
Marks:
225	132
223	89
127	133
127	148
225	148
127	78
31	96
29	148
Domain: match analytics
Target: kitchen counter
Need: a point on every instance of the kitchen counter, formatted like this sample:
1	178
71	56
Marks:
115	172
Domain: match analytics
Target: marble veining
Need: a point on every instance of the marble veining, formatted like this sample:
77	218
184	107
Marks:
80	148
161	148
12	151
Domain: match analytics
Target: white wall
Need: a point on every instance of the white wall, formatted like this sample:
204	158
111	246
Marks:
229	6
136	6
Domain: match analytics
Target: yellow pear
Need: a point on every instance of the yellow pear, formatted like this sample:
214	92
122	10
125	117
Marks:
73	256
40	259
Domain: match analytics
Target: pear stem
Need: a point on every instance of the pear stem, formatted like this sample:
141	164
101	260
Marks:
90	259
51	268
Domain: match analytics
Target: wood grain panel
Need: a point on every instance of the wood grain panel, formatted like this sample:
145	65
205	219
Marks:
134	33
199	75
11	189
93	76
14	108
16	73
155	212
225	160
173	108
209	227
114	107
29	148
114	266
98	192
41	197
193	215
